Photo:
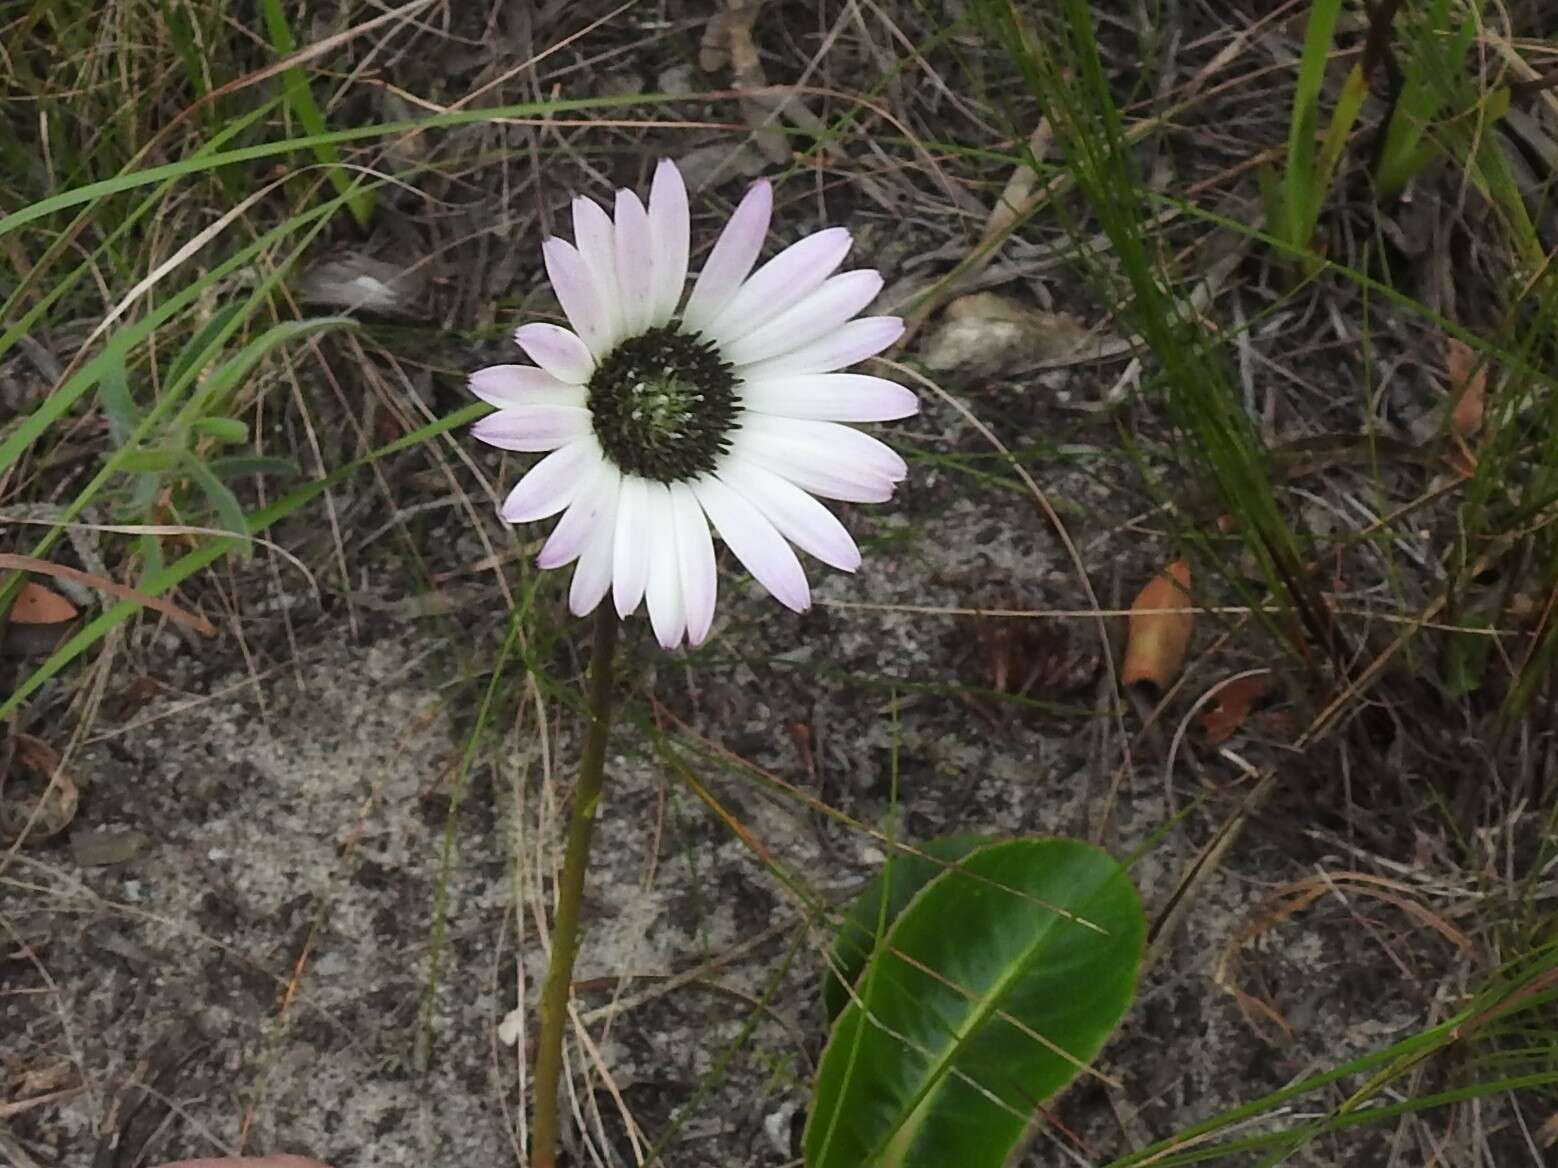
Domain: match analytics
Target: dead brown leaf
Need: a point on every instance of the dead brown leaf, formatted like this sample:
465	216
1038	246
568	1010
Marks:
727	40
43	815
1160	628
1232	705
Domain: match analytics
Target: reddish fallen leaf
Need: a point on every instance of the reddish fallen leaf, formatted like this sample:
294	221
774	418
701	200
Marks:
1461	461
1231	706
1468	375
38	605
1547	1134
1161	624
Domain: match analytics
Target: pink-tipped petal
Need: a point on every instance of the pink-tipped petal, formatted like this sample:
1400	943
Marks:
804	466
796	515
731	260
820	314
631	550
596	240
850	342
552	483
695	558
575	287
831	397
669	227
755	542
523	385
558	351
597	488
835	444
592	576
533	428
788	278
635	263
663	589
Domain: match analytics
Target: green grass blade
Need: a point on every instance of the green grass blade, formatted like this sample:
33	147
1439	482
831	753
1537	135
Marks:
1303	192
300	98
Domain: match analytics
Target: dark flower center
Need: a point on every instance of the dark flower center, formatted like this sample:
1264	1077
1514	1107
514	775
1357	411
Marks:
663	405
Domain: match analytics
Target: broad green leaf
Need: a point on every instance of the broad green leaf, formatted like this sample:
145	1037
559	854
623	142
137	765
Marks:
239	465
228	510
113	390
992	990
149	461
228	431
878	906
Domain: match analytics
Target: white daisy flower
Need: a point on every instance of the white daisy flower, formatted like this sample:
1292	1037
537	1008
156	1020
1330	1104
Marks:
729	412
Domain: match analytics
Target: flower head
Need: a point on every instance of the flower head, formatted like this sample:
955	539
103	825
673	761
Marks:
730	412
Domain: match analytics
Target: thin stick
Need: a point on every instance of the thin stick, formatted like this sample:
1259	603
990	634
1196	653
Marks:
565	923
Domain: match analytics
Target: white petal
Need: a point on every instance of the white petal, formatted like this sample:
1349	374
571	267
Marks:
635	263
695	557
523	385
663	590
596	240
575	287
668	229
840	445
592	577
552	483
558	351
831	397
816	316
732	257
788	278
755	543
851	342
808	469
631	547
798	517
533	428
597	489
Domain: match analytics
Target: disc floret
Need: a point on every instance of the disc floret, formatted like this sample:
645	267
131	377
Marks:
663	405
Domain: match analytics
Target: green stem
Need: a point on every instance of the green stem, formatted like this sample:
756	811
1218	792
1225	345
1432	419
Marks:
570	890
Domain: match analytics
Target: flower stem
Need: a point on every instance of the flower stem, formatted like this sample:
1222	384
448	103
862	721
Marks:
570	889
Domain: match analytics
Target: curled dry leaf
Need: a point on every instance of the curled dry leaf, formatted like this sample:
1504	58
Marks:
355	282
1232	704
1161	623
47	812
987	335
